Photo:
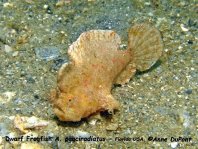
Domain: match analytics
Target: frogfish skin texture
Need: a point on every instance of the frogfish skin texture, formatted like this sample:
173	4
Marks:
96	63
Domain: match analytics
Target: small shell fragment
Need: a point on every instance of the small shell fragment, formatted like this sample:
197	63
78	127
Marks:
6	5
7	96
25	123
112	127
29	145
184	29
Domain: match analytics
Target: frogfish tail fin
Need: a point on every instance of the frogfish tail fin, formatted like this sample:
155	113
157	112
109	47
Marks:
145	44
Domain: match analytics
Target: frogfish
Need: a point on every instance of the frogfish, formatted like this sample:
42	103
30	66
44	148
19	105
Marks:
96	63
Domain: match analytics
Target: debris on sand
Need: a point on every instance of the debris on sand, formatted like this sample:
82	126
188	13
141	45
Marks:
25	123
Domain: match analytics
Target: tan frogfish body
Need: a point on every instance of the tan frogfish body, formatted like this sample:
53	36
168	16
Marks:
96	63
